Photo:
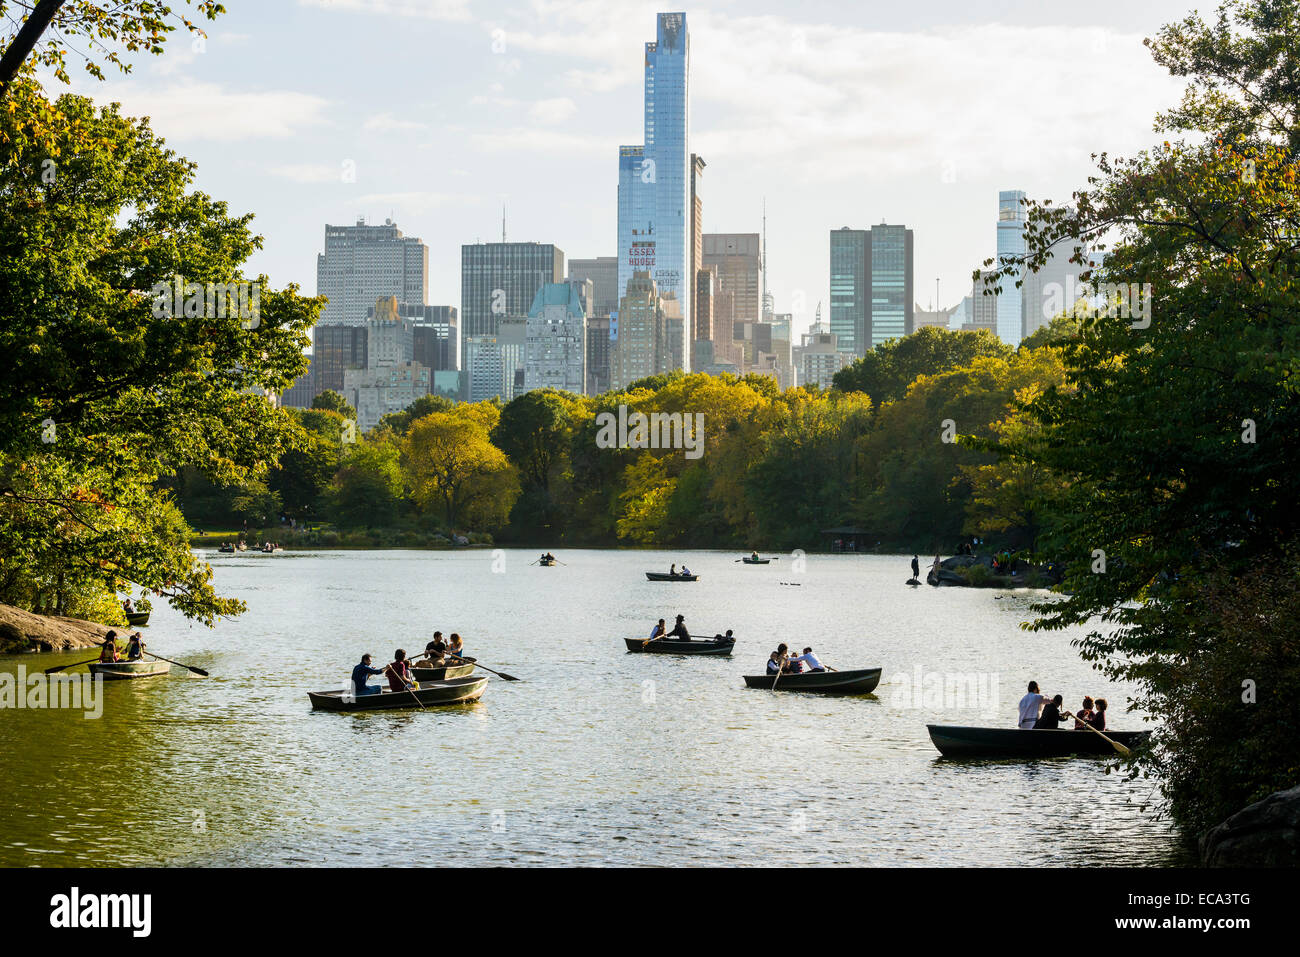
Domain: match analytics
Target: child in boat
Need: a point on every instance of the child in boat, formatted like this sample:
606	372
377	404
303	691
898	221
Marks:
774	663
1098	719
1083	716
108	653
135	647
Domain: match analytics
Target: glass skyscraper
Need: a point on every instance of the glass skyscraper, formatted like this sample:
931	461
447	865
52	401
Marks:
871	286
1011	242
654	179
890	268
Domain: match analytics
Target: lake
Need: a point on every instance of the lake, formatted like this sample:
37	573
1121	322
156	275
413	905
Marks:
597	756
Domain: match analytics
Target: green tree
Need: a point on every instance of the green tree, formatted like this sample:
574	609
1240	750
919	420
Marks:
452	465
885	372
1178	431
331	401
367	491
108	386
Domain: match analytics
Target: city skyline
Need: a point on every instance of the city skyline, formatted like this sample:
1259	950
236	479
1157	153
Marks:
527	107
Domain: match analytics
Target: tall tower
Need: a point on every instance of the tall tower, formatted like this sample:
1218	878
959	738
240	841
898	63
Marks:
1012	218
654	198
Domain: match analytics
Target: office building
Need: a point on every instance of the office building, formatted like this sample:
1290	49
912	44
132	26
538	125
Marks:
598	355
871	286
501	279
641	348
850	292
818	357
1012	218
363	263
602	272
556	339
377	391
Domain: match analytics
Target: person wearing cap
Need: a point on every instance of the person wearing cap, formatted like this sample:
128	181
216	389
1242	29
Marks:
679	630
361	673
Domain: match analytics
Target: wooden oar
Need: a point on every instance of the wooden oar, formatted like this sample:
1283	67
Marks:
197	671
777	676
499	674
1119	748
89	661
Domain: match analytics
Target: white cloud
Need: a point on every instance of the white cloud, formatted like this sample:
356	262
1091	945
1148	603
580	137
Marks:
208	111
553	111
309	173
449	10
388	123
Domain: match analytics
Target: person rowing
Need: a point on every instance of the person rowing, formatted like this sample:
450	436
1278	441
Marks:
399	672
686	572
753	556
774	663
360	674
108	653
657	631
135	647
1051	718
809	660
128	606
1030	706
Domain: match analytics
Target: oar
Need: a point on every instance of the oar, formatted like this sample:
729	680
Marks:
197	671
409	689
777	677
1119	748
50	671
499	674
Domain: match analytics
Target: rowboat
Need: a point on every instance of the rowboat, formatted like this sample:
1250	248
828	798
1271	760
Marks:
137	617
546	562
452	691
665	577
120	670
862	681
756	561
958	742
442	672
270	551
677	646
227	549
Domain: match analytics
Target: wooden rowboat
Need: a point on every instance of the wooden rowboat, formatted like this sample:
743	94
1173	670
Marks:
756	561
137	618
227	549
451	691
546	562
676	646
963	742
119	670
665	577
442	672
861	681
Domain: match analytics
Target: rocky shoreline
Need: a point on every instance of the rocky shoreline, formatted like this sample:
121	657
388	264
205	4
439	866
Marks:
24	631
976	571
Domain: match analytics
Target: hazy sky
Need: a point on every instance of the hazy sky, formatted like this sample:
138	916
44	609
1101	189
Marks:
840	113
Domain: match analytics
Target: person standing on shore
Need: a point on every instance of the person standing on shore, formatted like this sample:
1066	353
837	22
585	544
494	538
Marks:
916	566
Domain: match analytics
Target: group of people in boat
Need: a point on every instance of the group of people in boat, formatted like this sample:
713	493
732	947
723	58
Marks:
681	633
684	572
438	653
1038	712
109	652
547	558
783	663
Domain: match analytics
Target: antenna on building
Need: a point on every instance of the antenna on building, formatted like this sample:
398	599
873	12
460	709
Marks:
763	304
503	220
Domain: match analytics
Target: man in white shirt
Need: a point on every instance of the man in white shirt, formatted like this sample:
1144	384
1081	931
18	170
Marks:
809	660
1030	706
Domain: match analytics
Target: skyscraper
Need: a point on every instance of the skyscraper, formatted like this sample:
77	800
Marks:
890	269
556	340
642	348
698	329
603	273
1012	217
871	286
501	279
363	263
737	258
850	296
654	198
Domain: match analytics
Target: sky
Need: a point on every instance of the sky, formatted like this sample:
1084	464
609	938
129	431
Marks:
436	112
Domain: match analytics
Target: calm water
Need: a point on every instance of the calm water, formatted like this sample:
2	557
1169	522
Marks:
598	756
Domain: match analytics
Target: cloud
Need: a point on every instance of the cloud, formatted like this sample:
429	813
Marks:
553	111
417	201
309	173
448	10
387	123
207	111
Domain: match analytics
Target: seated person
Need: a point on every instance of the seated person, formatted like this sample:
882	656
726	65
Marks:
727	637
359	675
685	570
679	630
128	607
457	648
1098	719
658	630
435	653
399	672
135	647
774	663
1051	717
793	667
108	653
810	661
1084	715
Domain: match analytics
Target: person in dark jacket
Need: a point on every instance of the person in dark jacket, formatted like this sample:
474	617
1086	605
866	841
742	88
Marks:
359	675
1051	717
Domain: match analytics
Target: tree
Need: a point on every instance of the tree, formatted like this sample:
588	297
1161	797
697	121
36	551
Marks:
109	386
331	401
399	423
1178	431
367	491
135	25
451	464
885	372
